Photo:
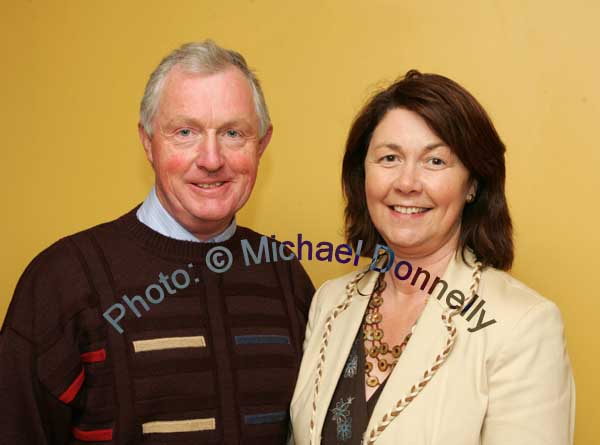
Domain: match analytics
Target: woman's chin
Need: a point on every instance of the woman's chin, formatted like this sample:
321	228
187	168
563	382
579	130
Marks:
403	248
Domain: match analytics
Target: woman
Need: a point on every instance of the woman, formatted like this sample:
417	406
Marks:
434	343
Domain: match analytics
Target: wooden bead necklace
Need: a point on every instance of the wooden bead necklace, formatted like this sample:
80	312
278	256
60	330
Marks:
375	347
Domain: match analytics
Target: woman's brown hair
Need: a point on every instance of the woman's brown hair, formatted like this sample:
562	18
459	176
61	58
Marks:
462	123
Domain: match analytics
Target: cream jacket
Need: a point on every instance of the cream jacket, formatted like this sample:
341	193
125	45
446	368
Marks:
505	382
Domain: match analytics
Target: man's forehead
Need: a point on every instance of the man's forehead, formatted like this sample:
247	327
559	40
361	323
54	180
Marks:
186	94
181	80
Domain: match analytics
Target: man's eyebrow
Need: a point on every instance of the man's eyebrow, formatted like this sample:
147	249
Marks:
234	122
187	120
180	119
398	147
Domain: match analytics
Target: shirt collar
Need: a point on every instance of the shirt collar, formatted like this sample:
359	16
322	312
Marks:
154	215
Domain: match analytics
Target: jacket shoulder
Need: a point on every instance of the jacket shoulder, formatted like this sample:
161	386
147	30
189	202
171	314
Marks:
512	315
509	298
333	292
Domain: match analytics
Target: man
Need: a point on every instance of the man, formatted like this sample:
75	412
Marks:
124	333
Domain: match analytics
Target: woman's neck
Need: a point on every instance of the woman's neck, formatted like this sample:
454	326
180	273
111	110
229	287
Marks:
435	263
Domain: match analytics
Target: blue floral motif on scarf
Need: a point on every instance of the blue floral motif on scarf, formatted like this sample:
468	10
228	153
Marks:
343	419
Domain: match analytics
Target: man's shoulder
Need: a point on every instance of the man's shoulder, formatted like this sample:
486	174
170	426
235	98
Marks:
244	232
58	271
286	255
107	227
256	240
64	248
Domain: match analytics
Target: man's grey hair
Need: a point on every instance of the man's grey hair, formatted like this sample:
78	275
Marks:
206	58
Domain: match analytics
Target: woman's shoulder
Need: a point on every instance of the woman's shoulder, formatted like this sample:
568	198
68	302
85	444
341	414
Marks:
514	307
512	297
332	292
341	281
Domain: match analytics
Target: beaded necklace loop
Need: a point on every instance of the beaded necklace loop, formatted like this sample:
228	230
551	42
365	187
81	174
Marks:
374	345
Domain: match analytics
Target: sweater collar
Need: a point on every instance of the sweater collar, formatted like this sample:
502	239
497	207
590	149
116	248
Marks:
170	247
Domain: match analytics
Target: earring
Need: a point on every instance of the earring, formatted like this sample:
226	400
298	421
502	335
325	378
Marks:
470	197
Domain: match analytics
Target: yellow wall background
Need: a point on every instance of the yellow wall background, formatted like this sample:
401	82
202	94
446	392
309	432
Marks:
73	73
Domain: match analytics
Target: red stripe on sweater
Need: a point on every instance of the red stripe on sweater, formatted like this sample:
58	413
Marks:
94	356
73	389
93	435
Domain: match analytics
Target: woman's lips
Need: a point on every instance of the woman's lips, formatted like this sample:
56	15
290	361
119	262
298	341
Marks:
405	210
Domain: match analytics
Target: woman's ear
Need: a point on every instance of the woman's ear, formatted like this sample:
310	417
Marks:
474	185
472	192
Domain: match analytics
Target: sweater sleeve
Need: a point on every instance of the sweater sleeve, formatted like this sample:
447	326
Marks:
303	292
29	413
312	315
531	386
40	367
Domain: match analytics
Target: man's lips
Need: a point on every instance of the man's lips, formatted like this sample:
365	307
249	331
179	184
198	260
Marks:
209	185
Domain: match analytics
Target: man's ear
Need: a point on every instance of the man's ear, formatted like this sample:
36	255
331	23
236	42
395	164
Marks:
264	141
146	142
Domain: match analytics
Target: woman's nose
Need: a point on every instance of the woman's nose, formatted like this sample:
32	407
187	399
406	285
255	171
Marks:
408	179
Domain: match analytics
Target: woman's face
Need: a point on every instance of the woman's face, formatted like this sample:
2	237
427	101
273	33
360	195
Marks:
415	185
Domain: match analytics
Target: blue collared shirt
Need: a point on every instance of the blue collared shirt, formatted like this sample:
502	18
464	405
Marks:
154	215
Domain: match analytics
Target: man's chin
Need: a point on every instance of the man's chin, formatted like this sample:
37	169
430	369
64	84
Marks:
209	212
204	219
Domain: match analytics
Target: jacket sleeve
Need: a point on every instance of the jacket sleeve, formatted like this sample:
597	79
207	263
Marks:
531	387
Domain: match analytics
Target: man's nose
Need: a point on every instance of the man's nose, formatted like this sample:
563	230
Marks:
408	179
210	155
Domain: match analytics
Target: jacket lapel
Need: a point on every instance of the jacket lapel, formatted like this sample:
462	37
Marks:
427	341
343	333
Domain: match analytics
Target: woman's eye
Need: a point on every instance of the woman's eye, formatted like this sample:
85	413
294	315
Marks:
437	162
389	158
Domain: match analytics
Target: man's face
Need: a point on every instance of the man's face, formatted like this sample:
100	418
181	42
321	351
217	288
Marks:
205	148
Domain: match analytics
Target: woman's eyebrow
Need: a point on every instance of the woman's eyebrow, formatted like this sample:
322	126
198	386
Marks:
392	145
398	147
435	145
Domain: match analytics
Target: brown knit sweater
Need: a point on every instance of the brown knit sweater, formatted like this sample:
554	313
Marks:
212	361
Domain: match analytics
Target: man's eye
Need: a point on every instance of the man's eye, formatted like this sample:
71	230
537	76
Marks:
184	132
232	133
